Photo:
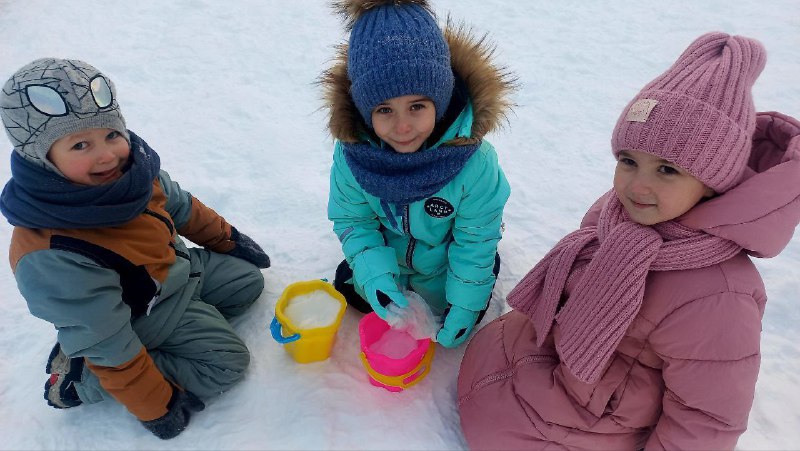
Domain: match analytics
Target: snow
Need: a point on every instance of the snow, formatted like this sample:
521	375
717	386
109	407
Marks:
226	93
312	310
394	344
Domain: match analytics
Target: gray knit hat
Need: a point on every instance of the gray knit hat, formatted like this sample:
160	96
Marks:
52	97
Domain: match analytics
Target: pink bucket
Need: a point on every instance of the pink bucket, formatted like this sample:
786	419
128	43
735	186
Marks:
393	374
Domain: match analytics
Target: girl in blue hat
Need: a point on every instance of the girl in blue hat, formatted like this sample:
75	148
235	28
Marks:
417	194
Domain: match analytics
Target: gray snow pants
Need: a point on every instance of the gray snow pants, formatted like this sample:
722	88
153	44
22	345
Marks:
203	354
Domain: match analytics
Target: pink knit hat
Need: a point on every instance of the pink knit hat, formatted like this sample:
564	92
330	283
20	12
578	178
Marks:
699	114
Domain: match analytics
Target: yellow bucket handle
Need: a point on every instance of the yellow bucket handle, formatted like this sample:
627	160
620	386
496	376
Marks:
399	381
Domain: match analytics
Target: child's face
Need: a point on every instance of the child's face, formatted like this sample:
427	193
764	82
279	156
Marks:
93	156
654	190
404	122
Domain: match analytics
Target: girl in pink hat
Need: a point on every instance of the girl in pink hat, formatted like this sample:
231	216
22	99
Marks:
641	329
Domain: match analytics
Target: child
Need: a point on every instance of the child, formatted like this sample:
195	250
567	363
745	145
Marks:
96	251
417	194
641	329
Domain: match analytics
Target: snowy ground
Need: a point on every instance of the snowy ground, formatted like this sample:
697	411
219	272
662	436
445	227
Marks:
225	92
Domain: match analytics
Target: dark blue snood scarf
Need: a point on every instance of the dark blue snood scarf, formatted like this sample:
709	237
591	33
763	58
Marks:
38	198
403	178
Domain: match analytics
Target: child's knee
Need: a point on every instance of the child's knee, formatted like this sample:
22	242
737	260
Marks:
233	297
234	368
220	373
256	283
251	285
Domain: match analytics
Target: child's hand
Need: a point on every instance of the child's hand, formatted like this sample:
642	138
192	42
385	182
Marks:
247	249
382	291
458	324
179	409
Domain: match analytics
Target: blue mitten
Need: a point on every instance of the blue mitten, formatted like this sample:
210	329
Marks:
458	324
381	291
248	250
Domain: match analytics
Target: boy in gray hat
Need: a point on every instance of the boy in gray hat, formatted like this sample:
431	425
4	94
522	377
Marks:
96	251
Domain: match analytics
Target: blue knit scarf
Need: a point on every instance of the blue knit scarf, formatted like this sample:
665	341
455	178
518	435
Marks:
38	198
403	178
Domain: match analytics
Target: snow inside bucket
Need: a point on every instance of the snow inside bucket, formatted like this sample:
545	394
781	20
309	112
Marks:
394	344
393	358
307	317
312	310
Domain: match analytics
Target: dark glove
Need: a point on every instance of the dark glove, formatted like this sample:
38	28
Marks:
382	291
59	390
458	323
179	409
247	249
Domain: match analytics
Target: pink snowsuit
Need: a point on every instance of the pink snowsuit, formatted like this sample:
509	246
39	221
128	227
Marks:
684	374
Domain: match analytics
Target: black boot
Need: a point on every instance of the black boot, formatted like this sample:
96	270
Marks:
343	274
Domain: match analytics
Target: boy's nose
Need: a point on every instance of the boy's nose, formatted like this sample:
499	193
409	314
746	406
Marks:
106	154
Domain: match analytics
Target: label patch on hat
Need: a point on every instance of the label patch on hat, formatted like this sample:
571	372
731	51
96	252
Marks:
438	207
640	110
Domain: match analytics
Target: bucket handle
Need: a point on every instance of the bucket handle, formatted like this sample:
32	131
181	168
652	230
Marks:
275	327
418	373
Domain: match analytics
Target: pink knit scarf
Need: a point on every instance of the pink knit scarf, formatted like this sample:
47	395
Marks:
610	287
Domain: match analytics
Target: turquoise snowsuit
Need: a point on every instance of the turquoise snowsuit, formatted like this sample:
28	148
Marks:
446	256
442	247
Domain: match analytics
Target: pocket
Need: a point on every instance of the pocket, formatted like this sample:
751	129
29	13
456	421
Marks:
498	351
604	398
601	398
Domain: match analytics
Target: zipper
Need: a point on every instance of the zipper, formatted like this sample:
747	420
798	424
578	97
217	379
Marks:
161	218
412	242
527	360
179	253
505	374
156	297
171	229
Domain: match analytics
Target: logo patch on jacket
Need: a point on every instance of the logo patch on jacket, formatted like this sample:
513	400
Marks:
438	207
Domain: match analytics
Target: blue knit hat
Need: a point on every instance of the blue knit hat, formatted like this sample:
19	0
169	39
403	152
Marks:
396	49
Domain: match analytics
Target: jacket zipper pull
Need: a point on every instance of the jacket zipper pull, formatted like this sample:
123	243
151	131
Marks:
156	298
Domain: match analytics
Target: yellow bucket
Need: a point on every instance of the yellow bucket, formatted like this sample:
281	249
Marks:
311	344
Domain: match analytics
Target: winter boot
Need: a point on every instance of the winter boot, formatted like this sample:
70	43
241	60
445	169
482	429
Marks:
344	285
59	390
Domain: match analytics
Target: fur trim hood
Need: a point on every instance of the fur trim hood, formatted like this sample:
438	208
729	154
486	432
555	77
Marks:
488	87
